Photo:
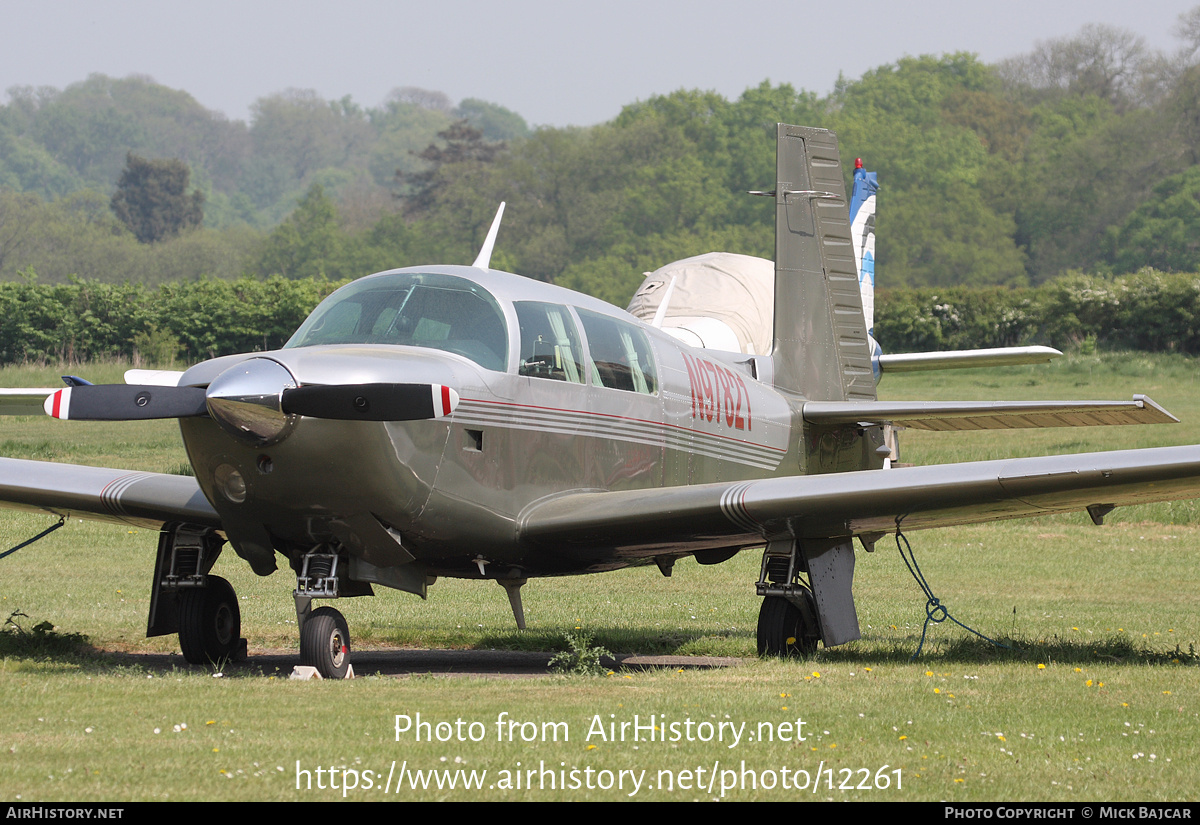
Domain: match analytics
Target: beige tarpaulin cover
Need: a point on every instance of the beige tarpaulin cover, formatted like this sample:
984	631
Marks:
736	290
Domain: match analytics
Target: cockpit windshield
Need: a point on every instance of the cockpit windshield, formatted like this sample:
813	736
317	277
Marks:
442	312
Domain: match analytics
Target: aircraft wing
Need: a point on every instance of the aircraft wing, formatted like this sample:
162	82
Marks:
24	401
860	503
988	415
129	497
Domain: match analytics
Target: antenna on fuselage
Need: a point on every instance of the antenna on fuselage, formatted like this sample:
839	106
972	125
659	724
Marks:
485	254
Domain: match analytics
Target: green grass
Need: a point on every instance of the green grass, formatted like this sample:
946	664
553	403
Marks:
1093	701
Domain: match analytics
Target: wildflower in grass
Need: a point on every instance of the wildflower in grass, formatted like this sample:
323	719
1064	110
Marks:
791	640
1041	666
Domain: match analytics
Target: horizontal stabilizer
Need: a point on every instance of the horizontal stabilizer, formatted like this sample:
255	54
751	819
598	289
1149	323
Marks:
966	359
948	416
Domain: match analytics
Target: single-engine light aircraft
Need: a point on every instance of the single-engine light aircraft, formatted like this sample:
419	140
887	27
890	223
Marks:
462	421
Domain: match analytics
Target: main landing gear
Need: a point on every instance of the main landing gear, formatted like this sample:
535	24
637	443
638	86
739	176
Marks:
210	623
186	599
807	596
785	629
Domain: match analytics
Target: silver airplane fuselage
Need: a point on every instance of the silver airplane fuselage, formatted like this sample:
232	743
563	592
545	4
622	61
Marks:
445	496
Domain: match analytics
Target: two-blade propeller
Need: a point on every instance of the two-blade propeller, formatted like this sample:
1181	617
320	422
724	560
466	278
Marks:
344	402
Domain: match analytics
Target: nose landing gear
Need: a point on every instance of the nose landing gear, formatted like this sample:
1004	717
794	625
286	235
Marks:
324	634
325	643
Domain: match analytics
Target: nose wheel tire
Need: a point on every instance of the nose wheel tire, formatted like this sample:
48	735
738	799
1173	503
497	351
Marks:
210	623
783	629
325	643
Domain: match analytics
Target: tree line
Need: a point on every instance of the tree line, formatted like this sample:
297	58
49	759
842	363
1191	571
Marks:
1080	155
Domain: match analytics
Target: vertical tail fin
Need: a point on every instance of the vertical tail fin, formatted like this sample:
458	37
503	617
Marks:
821	347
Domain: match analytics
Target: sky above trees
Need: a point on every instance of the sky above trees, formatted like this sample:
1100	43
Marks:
554	63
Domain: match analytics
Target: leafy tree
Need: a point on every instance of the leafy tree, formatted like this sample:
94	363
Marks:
153	201
464	148
1164	231
309	243
496	122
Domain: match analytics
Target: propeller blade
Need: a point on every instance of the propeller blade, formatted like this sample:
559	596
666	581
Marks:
371	402
124	402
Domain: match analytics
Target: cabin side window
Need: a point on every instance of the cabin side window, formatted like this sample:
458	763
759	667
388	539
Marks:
621	357
550	345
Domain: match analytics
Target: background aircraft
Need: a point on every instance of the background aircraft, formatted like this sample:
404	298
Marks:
460	421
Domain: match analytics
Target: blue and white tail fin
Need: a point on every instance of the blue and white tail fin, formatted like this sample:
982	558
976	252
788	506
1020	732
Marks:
862	235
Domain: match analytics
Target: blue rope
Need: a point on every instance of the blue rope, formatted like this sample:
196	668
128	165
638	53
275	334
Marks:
61	521
935	611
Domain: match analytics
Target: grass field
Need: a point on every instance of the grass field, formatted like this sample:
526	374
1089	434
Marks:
1094	700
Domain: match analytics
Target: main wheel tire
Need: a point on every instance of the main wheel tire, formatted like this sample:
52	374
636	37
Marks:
783	630
210	623
325	643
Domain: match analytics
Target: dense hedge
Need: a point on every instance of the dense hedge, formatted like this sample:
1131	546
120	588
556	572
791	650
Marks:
1150	311
84	320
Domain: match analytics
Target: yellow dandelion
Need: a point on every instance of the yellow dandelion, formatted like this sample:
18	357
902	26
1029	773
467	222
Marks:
1041	666
937	690
1089	682
929	673
791	640
591	747
816	675
902	738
